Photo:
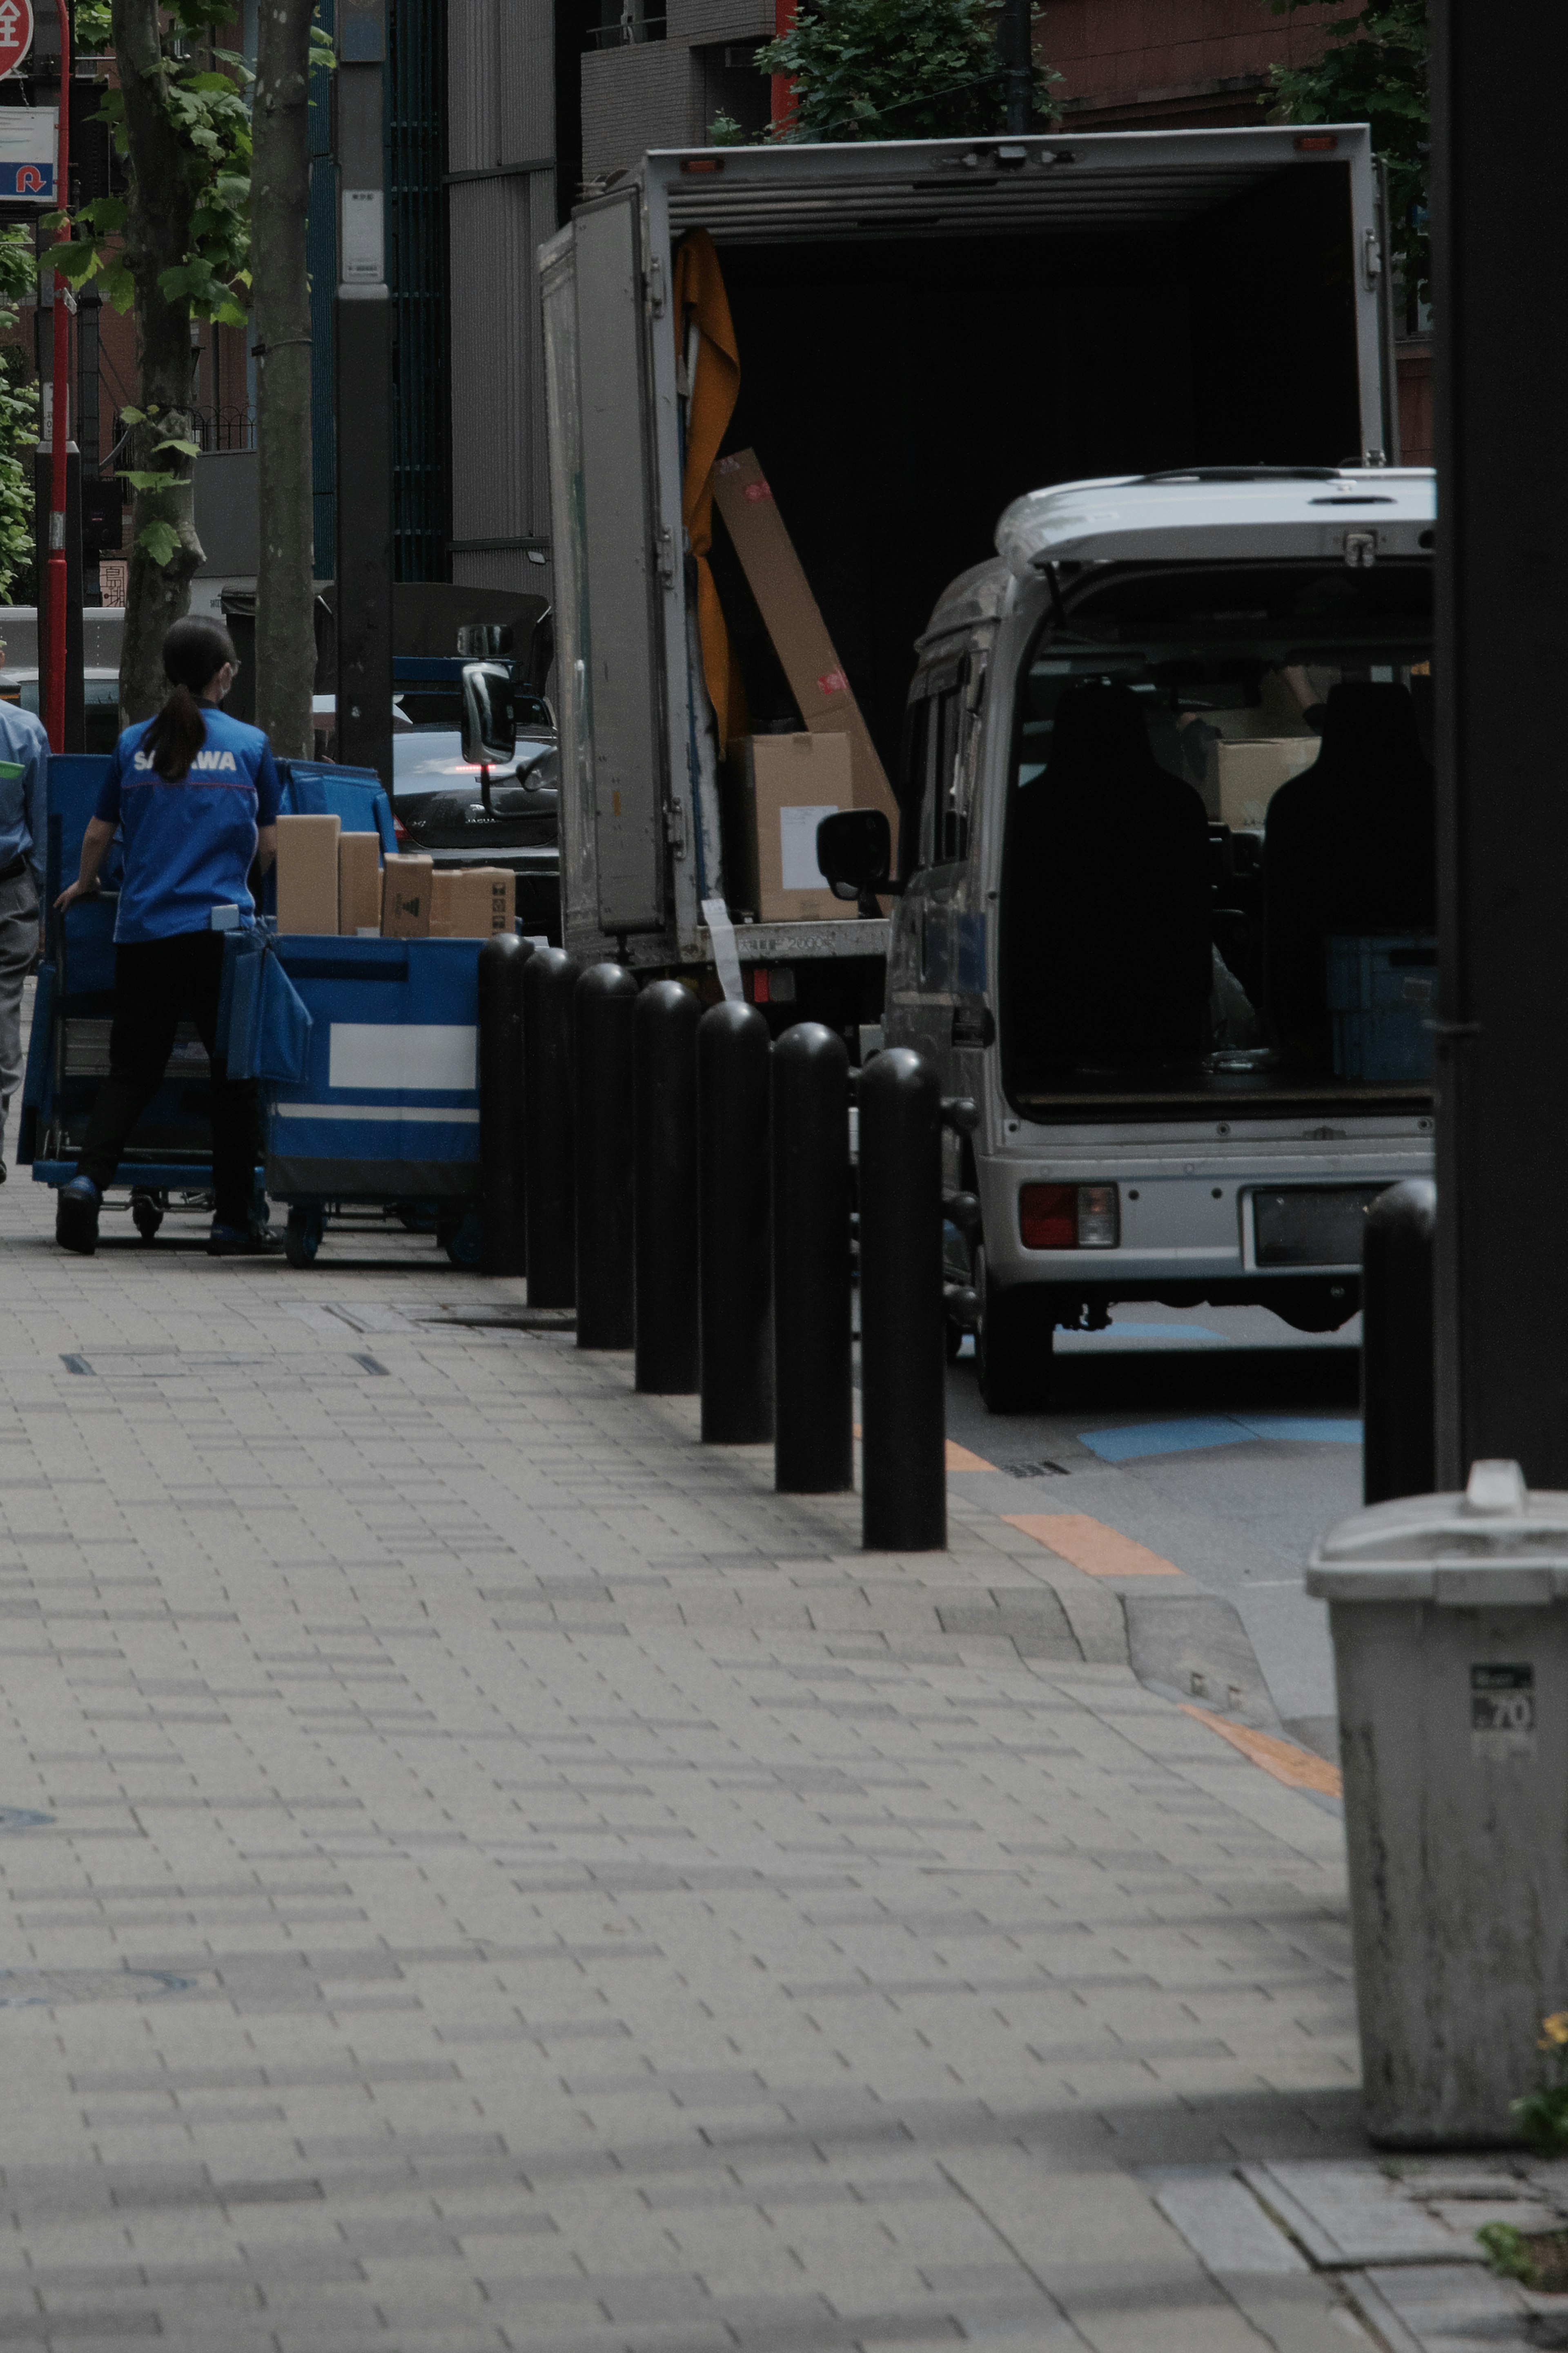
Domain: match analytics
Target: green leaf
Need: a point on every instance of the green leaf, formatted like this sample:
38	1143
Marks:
185	448
141	479
161	540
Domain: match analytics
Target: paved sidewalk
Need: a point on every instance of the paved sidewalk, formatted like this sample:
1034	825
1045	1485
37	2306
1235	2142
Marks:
481	1870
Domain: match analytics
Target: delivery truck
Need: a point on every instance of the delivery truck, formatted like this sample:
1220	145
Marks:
795	387
1166	895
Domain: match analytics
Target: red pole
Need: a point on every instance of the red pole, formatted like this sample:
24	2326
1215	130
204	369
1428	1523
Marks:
59	396
783	103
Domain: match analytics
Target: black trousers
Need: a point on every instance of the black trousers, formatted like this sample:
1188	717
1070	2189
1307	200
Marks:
158	983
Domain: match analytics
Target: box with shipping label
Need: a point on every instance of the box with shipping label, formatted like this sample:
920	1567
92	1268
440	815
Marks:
307	874
799	634
782	787
405	898
1251	770
359	883
471	902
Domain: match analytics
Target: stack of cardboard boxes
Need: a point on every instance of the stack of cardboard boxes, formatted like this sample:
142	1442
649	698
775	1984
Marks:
332	882
782	787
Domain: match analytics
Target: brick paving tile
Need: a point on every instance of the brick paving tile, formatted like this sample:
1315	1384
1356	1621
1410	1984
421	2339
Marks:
484	1875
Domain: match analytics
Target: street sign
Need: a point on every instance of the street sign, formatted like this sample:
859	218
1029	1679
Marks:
16	33
28	150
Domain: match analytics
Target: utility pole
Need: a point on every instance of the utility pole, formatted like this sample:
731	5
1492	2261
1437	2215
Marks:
362	326
1502	647
1014	39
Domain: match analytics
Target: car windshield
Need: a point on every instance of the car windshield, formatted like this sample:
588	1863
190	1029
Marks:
1219	864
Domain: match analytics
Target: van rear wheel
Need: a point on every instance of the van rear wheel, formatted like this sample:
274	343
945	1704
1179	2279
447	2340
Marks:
1014	1342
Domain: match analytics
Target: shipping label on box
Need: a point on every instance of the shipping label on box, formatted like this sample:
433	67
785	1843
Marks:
405	898
784	786
359	883
789	610
308	874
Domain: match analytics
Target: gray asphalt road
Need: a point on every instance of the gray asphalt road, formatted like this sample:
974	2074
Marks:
1219	1437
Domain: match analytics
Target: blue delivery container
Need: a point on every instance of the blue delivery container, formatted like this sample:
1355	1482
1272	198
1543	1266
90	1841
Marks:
1383	993
387	1108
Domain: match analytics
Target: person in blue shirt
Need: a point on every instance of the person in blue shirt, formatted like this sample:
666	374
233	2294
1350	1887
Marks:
194	797
23	769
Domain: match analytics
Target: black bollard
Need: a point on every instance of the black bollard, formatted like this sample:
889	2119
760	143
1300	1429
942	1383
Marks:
734	1186
814	1442
549	982
904	1351
604	1006
1398	1388
664	1108
504	1176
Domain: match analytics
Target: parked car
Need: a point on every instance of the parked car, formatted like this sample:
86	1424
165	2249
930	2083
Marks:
439	803
101	694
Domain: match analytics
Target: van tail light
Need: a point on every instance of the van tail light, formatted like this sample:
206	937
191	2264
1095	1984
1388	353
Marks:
399	832
1070	1216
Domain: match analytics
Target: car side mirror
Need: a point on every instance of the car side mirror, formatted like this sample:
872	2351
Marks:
490	728
855	855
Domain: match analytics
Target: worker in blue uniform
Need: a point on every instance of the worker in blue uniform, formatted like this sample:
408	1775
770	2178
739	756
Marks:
24	774
193	795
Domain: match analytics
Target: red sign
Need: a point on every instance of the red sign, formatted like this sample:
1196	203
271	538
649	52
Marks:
16	33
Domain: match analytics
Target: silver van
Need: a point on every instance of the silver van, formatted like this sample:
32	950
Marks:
1165	897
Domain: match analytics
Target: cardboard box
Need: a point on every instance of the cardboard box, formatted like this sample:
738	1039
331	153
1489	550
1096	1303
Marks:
1252	769
308	874
782	787
359	883
789	610
405	898
471	902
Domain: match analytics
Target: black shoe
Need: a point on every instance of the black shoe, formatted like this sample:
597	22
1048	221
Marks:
242	1241
76	1216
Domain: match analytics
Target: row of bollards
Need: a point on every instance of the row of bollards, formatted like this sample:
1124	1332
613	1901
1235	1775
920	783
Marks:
687	1186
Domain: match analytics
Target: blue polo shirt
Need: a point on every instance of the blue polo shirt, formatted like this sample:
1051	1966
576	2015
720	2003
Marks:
188	847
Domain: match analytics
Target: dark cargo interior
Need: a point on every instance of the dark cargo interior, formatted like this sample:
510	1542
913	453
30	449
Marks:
1219	874
900	393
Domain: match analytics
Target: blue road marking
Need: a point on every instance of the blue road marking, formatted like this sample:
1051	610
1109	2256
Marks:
1218	1429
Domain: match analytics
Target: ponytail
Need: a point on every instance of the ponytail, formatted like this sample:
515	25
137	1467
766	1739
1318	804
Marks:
194	650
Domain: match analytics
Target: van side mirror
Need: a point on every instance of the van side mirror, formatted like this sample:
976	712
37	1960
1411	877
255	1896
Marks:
855	854
489	727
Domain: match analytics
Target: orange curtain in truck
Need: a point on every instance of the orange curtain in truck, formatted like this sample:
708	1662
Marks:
700	302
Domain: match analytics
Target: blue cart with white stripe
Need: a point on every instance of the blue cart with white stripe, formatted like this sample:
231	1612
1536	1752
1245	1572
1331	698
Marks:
367	1052
168	1162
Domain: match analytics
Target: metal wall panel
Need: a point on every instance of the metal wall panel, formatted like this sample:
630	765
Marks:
648	94
501	116
416	89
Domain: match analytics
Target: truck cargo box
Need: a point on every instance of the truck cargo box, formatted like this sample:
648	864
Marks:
924	331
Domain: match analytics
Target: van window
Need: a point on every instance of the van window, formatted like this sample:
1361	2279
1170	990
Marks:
913	800
1219	867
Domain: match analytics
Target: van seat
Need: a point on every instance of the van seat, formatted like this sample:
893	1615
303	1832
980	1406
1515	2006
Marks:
1107	937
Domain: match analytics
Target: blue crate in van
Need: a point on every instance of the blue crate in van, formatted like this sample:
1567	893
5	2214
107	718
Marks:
1383	991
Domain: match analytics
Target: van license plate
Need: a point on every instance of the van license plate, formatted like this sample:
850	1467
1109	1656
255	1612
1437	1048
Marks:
1311	1225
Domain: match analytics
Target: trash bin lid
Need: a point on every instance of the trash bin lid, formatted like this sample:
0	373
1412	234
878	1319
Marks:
1497	1544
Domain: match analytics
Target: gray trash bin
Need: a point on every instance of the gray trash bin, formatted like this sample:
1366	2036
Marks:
1449	1616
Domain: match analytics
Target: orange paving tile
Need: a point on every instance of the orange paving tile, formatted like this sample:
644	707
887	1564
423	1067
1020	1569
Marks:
959	1458
1296	1767
1089	1545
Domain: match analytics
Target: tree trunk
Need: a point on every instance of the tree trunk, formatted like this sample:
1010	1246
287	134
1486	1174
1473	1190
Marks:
159	204
280	297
